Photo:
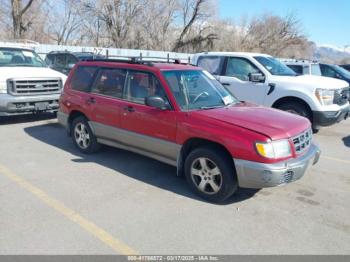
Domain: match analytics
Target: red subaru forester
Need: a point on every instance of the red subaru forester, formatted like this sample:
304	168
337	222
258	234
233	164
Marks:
179	114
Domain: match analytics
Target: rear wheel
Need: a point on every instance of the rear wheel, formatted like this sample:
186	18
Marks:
83	137
211	173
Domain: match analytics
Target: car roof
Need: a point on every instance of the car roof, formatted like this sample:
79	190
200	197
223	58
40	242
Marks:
232	54
17	48
146	65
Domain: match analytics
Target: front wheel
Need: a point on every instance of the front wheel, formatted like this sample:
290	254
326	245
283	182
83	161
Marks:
211	173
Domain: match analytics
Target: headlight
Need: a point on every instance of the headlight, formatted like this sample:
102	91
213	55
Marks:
3	88
274	149
325	96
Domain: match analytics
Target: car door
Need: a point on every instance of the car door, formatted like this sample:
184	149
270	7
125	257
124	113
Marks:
236	78
105	102
146	128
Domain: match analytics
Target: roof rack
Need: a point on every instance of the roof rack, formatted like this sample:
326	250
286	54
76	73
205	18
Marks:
148	60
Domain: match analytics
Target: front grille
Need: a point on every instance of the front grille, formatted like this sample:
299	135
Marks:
341	96
287	177
38	86
302	141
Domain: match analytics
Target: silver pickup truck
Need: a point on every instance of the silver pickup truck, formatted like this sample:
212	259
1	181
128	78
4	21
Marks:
27	85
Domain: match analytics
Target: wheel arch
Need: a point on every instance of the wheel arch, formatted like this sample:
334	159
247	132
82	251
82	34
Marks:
193	143
291	99
74	114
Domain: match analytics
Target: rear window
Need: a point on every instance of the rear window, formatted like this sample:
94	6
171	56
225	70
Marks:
82	78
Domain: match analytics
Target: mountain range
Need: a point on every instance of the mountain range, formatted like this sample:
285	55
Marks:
332	54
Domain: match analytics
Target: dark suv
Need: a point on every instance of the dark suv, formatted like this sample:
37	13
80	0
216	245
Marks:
64	61
181	115
347	67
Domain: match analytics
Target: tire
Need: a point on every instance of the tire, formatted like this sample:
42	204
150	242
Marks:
200	168
83	137
296	108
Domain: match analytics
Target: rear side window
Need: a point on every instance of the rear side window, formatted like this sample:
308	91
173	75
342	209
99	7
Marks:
297	69
316	70
110	82
212	64
82	78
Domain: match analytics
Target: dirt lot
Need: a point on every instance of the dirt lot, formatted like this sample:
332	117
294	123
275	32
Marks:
54	200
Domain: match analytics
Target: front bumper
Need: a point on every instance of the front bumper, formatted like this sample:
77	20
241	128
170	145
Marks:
259	175
327	118
17	105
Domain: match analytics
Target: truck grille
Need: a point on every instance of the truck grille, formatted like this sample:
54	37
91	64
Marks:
341	96
38	86
302	141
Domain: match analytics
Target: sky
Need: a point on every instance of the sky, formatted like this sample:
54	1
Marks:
325	22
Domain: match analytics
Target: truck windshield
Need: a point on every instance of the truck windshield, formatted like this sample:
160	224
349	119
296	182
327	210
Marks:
20	57
274	66
196	89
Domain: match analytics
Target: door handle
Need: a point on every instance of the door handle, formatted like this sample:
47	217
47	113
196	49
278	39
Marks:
226	84
129	109
91	100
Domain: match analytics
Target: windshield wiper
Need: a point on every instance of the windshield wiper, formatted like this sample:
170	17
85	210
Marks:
210	107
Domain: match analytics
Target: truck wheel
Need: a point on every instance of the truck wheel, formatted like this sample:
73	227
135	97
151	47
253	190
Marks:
211	173
83	137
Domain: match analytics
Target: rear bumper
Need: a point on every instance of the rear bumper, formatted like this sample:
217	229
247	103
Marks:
17	105
327	118
259	175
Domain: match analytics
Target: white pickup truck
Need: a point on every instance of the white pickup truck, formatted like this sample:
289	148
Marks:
264	80
27	85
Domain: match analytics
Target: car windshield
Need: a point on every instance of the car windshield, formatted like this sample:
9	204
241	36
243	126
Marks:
20	57
197	89
274	66
342	71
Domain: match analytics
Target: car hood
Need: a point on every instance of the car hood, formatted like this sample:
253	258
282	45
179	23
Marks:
273	123
311	80
29	72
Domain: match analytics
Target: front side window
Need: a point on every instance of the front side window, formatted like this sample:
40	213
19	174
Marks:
141	85
60	60
196	89
20	57
274	66
212	64
110	82
240	68
71	59
82	78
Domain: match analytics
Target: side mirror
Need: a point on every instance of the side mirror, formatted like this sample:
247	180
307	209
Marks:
156	102
256	77
338	76
70	66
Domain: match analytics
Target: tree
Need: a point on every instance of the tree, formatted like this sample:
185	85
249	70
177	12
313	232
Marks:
17	12
192	13
273	34
66	22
